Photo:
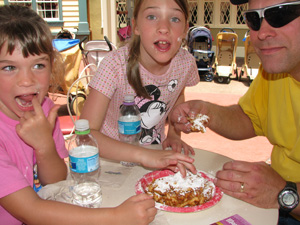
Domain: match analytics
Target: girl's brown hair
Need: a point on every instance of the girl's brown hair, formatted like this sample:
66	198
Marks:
22	25
133	73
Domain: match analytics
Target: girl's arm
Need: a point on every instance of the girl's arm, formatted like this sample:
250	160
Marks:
95	109
36	130
173	139
28	207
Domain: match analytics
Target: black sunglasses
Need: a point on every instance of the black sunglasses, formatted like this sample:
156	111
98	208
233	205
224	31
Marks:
276	15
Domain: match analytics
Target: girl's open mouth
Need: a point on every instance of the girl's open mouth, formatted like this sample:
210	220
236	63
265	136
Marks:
25	101
162	45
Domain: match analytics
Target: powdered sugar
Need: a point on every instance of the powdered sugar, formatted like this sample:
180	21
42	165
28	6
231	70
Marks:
199	122
179	119
177	183
143	184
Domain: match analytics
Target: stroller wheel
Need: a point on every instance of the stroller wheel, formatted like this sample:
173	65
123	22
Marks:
241	75
228	80
209	77
236	74
220	79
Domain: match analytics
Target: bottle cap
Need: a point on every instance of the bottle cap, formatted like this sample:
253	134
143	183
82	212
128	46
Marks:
129	98
82	125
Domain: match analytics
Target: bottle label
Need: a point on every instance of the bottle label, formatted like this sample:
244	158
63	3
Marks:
84	159
129	128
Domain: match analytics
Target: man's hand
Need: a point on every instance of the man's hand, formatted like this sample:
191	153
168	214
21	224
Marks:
256	183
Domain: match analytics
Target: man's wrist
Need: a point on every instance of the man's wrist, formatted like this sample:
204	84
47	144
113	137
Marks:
288	198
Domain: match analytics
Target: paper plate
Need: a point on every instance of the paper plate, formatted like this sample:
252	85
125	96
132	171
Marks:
142	184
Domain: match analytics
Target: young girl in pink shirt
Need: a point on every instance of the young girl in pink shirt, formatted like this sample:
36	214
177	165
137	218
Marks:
30	134
155	69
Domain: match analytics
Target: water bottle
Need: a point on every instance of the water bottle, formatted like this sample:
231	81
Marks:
129	124
85	167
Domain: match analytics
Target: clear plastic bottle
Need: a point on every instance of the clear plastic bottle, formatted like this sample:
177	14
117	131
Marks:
129	124
85	167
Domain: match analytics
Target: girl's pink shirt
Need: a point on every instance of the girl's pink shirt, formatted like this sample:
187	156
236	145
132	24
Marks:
17	159
111	80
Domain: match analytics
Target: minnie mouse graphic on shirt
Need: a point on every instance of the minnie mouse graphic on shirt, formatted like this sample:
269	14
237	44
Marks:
152	111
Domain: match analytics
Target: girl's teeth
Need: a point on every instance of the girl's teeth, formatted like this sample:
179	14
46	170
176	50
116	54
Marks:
24	103
25	100
162	42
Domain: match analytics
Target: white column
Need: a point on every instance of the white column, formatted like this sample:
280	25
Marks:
109	20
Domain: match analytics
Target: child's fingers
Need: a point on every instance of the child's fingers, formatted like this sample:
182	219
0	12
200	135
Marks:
152	212
167	162
141	197
188	150
182	169
184	165
37	106
53	114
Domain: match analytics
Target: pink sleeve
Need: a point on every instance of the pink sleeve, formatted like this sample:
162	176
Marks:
12	179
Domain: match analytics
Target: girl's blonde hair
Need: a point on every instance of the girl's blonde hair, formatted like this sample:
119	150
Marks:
133	73
21	25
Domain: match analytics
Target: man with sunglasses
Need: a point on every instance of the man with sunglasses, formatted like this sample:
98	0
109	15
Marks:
271	108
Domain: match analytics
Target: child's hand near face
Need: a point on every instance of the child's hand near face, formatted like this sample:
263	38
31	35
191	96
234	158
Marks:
34	128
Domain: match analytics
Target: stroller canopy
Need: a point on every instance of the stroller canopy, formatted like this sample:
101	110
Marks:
200	34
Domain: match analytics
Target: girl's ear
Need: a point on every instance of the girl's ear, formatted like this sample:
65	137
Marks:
184	34
135	27
186	28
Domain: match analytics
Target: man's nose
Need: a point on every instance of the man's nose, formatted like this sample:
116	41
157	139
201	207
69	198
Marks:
265	30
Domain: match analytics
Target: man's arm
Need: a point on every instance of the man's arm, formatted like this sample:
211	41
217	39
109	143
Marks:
228	121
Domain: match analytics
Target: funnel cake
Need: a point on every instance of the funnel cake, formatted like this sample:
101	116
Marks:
199	123
176	191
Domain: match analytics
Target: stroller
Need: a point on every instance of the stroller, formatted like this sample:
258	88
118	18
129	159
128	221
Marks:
92	54
94	51
75	86
199	45
225	61
251	61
